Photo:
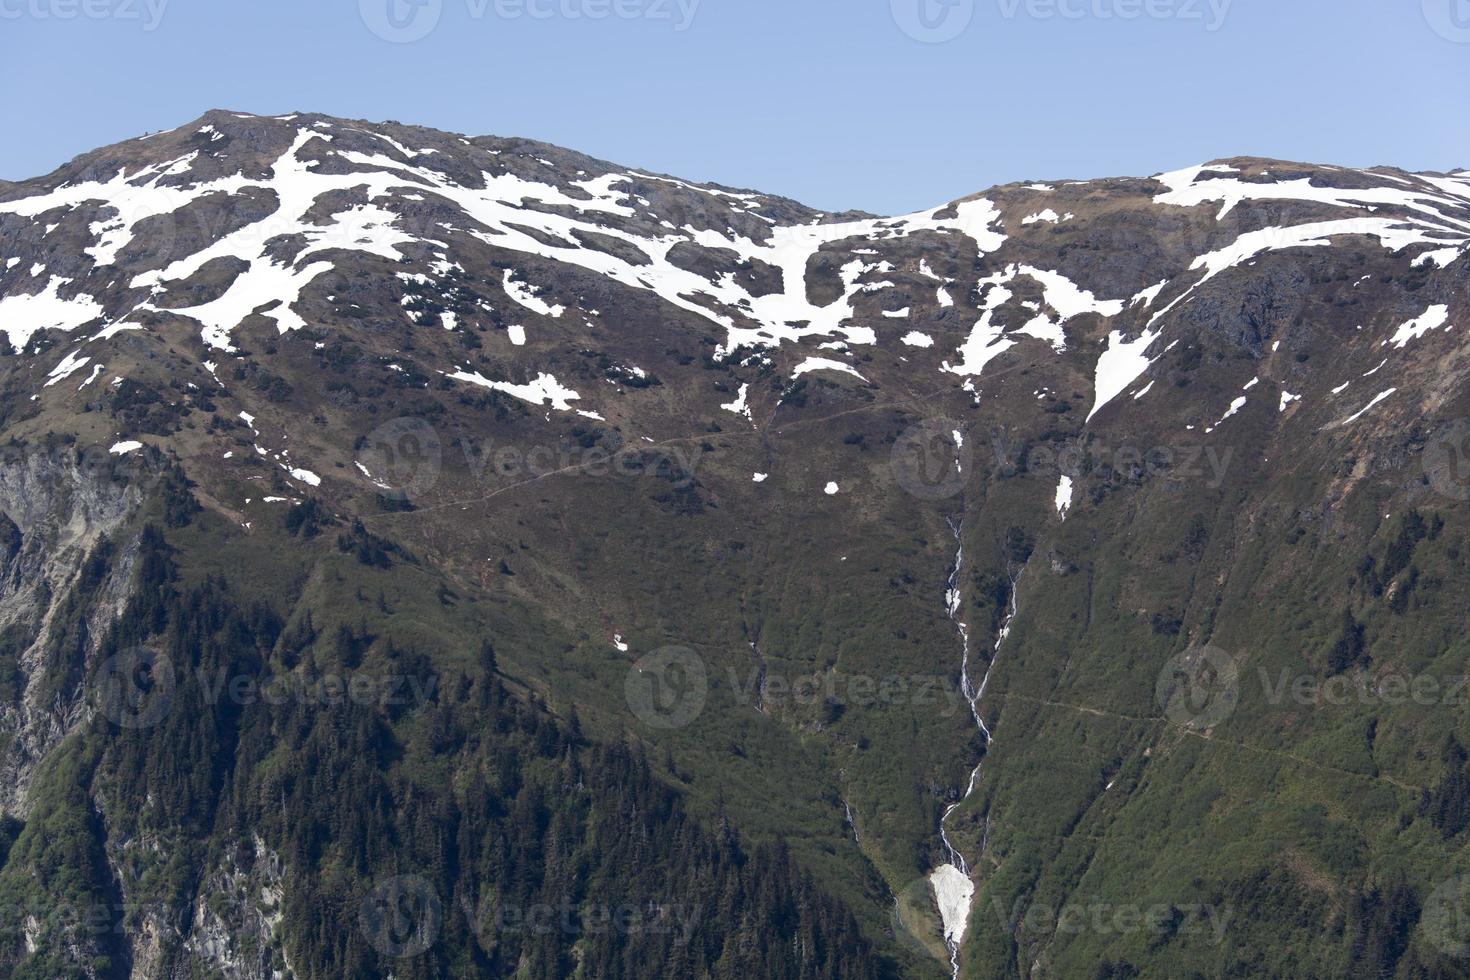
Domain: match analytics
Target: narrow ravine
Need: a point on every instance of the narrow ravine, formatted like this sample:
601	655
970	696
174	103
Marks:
760	684
954	888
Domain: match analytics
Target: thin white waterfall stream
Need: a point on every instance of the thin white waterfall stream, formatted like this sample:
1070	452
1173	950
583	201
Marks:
954	889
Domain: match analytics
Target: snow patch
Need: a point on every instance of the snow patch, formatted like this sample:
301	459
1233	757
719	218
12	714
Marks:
544	390
1064	496
953	893
825	364
1119	366
1432	319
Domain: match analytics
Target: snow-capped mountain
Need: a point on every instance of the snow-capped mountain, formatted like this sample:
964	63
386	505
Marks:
236	220
382	395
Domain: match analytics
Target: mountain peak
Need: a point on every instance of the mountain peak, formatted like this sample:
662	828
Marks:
497	252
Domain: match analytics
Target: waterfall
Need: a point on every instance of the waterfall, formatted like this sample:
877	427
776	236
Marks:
954	889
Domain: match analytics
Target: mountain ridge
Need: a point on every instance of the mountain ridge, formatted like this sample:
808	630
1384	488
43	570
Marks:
377	395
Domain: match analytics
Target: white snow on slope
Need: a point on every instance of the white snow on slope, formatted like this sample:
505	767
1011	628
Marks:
1064	496
508	212
953	891
544	390
1432	319
987	339
1437	215
1119	366
739	406
526	296
134	199
1230	191
21	316
1234	408
1364	411
1147	296
1067	298
825	364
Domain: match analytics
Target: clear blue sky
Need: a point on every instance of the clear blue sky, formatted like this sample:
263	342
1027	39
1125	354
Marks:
827	101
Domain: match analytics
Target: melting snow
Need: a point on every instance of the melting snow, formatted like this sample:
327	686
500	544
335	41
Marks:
1235	407
1434	318
21	316
123	448
526	296
545	389
1147	296
1378	398
69	366
953	892
1119	366
1064	496
739	405
825	364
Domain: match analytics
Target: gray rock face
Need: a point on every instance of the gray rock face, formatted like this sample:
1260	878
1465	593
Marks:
65	574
